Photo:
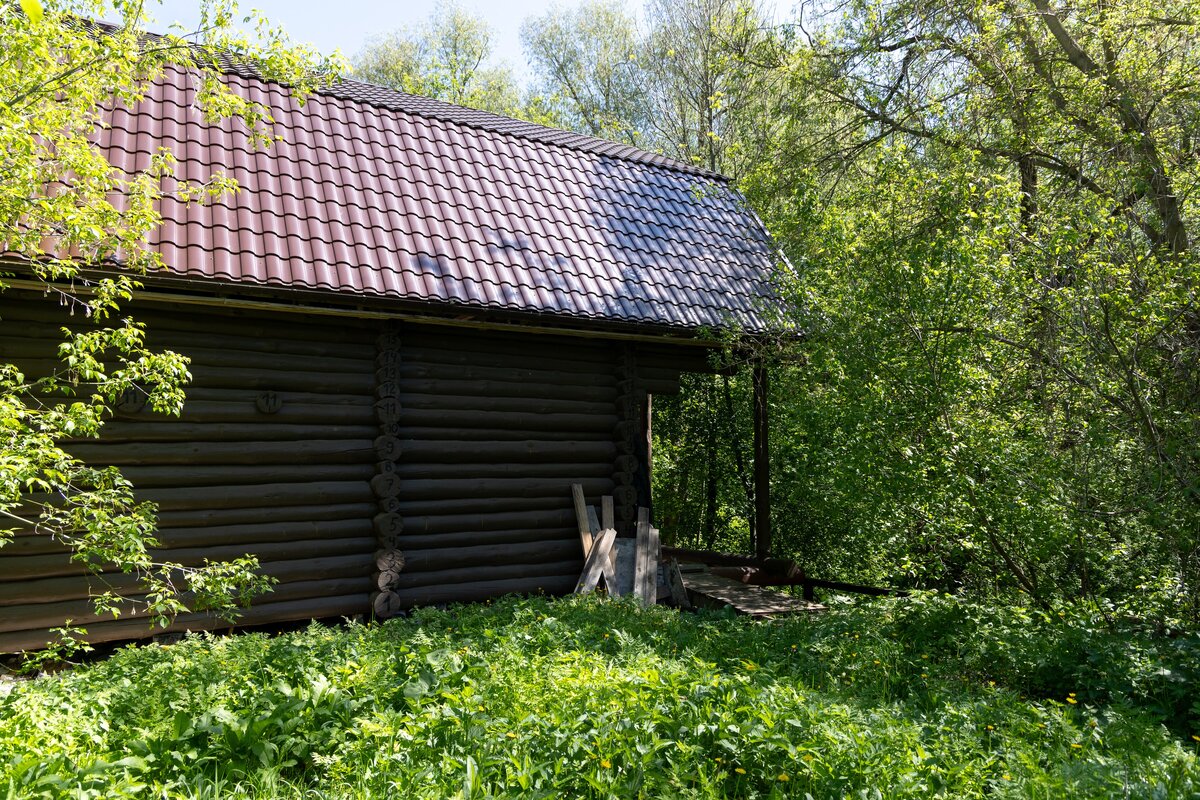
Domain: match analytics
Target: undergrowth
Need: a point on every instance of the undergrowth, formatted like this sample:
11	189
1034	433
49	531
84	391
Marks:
923	697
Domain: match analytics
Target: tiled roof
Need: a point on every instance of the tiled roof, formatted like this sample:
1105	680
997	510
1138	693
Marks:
375	192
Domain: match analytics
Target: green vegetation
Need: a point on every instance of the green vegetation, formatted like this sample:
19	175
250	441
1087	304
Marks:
925	697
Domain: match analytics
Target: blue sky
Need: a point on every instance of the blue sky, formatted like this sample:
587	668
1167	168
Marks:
346	24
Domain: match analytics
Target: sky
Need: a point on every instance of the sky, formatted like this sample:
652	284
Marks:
347	24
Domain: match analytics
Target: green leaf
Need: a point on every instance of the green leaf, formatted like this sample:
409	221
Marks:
33	10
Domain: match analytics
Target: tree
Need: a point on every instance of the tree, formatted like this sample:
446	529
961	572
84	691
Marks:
991	204
706	94
64	211
587	59
445	59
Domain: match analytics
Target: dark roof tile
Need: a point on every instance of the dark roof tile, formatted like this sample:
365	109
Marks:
381	193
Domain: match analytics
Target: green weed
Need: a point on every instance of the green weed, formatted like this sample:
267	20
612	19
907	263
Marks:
925	697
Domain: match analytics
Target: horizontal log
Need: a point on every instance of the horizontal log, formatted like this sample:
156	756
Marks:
511	488
527	375
549	390
19	568
179	322
470	538
438	436
150	430
464	420
566	473
492	554
29	543
294	398
553	585
475	505
345	361
246	410
556	519
278	380
251	516
82	612
196	452
531	357
118	630
456	575
47	590
258	495
147	477
529	405
432	339
510	452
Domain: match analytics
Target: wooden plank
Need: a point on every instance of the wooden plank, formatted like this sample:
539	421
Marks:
679	595
610	564
607	518
646	556
581	519
625	550
593	568
756	601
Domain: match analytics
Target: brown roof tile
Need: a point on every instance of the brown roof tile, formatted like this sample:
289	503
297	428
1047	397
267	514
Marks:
375	192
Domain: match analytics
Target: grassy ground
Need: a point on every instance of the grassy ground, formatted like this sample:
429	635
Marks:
925	697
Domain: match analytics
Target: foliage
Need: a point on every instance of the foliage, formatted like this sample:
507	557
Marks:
586	60
529	698
445	59
989	212
64	210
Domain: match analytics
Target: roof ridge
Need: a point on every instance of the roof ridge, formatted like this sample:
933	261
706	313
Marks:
373	94
386	97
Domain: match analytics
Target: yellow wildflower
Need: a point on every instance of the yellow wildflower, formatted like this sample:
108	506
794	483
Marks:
511	735
783	776
1076	745
1072	701
606	764
1197	738
739	771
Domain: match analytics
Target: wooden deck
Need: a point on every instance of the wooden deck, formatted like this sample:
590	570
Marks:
706	589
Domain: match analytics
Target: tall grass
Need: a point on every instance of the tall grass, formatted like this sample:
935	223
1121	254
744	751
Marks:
925	697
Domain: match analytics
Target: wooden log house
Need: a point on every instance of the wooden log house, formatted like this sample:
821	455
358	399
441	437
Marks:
410	331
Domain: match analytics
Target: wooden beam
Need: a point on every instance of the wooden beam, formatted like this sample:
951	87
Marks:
593	568
762	463
581	519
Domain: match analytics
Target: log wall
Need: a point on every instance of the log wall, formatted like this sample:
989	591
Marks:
273	455
372	467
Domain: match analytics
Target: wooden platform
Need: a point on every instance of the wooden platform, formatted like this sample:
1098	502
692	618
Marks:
706	589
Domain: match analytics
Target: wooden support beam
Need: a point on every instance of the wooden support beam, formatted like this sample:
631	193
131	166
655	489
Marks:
762	463
581	519
597	558
646	560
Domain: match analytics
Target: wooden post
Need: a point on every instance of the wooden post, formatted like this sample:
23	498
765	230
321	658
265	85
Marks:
762	463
